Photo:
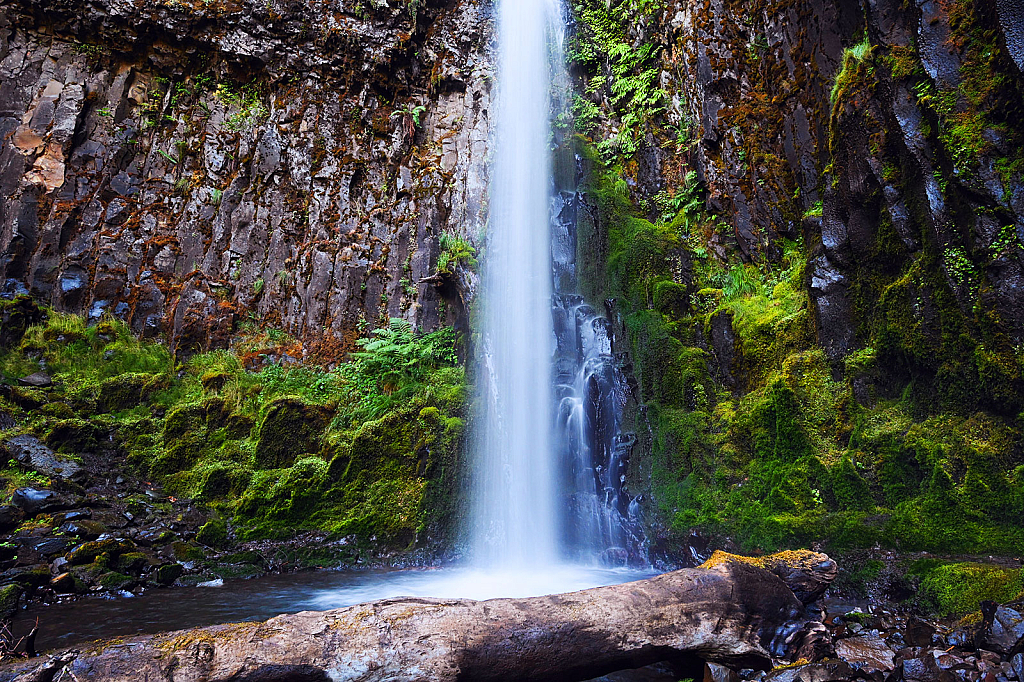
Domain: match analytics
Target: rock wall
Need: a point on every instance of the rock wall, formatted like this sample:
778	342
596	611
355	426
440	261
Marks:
187	164
810	215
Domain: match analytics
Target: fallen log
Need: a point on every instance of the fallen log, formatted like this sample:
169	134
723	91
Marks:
733	614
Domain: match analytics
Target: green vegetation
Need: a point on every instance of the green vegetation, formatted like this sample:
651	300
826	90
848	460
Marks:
369	449
455	251
601	48
854	59
760	437
956	589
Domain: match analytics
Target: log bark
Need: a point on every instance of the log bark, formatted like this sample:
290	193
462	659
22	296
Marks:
733	614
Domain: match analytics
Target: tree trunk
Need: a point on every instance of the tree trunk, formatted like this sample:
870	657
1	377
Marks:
734	614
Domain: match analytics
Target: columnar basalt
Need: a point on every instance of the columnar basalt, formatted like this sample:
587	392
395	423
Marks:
183	165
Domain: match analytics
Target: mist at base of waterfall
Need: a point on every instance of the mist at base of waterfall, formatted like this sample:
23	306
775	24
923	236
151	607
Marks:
160	610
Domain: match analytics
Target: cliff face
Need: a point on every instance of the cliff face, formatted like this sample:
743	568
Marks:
851	125
811	214
185	165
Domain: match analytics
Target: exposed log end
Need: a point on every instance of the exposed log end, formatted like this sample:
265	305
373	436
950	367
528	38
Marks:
805	572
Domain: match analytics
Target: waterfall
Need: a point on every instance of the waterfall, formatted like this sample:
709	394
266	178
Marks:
551	455
515	515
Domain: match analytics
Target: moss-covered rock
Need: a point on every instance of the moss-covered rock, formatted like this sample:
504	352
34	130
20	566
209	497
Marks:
290	427
125	391
113	580
214	533
132	563
91	551
10	595
16	316
75	436
168	573
958	588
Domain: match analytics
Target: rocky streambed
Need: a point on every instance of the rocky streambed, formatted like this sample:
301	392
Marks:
85	527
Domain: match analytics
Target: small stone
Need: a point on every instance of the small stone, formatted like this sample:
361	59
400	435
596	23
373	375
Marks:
1017	663
37	379
919	632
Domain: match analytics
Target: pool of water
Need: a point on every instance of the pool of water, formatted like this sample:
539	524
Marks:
159	610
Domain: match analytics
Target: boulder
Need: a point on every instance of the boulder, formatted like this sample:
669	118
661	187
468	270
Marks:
807	573
37	380
1006	630
33	501
30	452
10	595
867	654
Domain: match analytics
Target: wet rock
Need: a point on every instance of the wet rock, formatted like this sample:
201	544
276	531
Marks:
10	517
867	654
84	529
31	453
87	552
37	379
1017	664
64	583
1006	631
168	573
28	576
919	632
6	421
33	501
826	671
151	537
44	546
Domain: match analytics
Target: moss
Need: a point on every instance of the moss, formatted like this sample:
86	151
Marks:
75	436
184	551
116	581
958	588
10	595
290	428
168	573
125	391
16	316
214	533
91	551
671	299
132	563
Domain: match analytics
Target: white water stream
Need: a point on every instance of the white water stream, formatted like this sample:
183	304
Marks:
514	511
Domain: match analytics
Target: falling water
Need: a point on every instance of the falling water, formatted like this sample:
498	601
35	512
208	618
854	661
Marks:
515	513
551	454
